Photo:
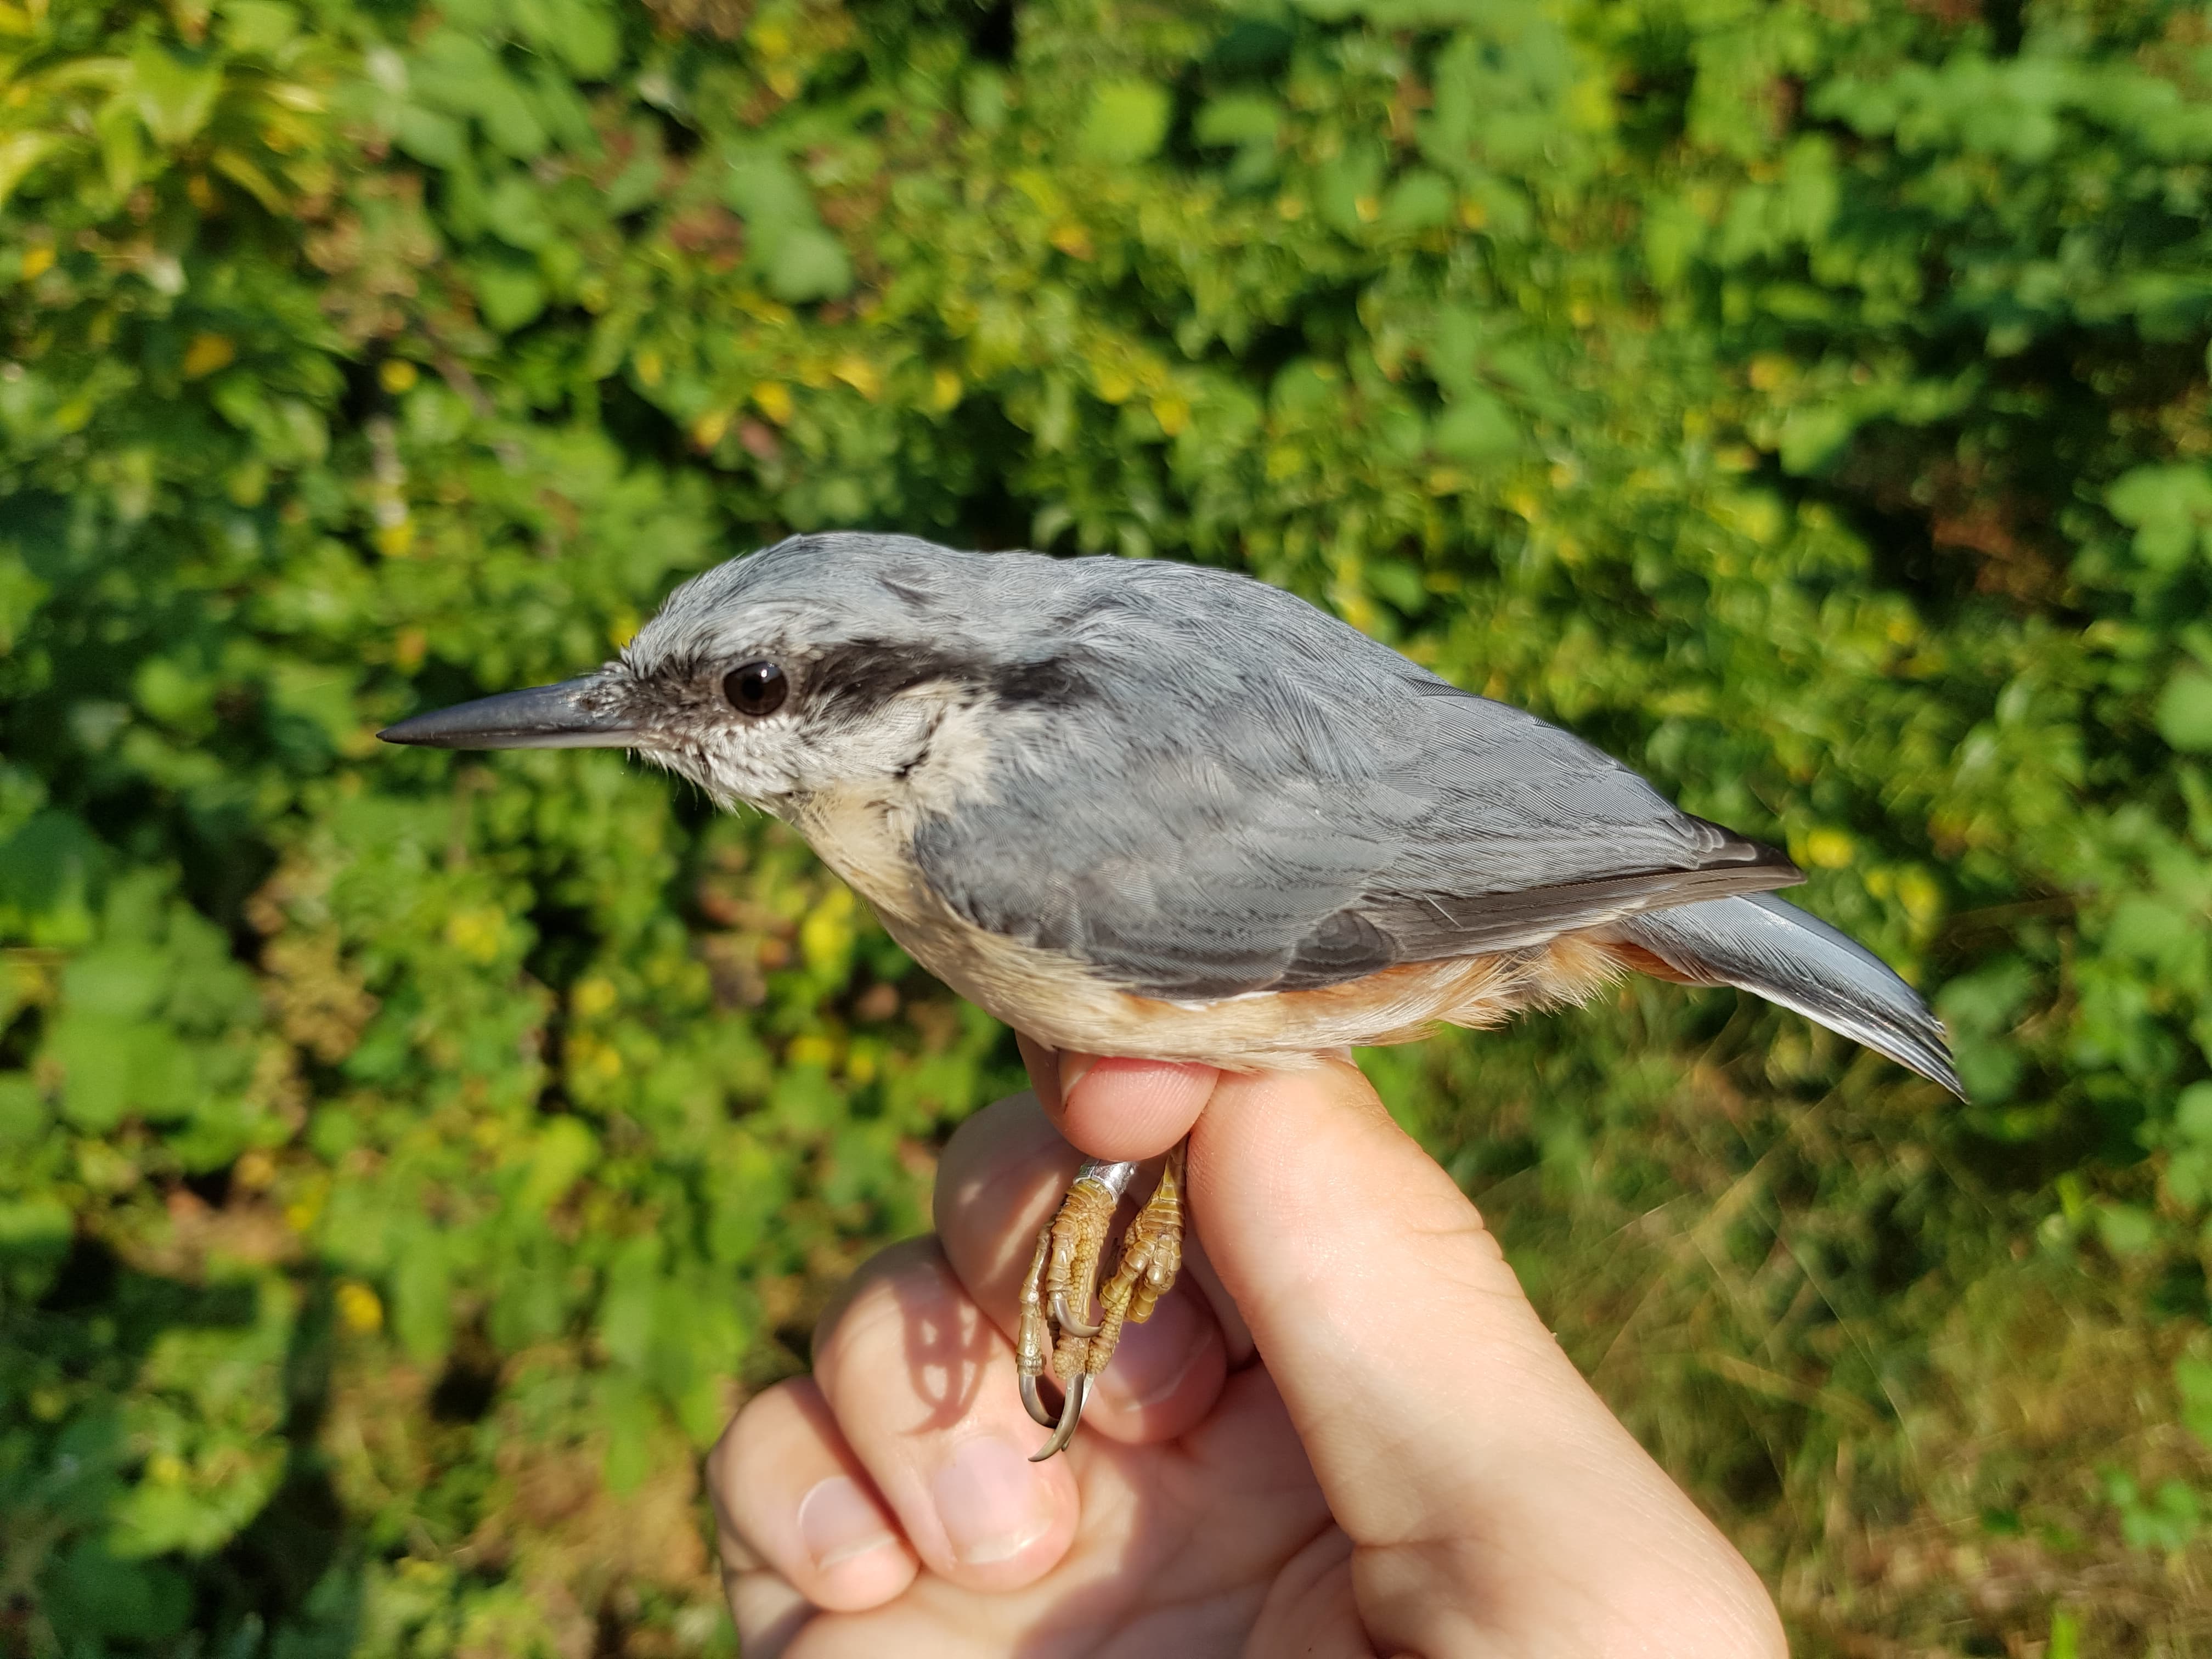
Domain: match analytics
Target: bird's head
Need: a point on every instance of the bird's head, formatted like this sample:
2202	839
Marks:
823	661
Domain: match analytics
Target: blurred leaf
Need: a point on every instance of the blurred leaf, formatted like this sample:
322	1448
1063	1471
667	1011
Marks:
763	187
511	294
1128	120
2193	1380
1476	427
808	264
2171	507
19	153
421	1298
174	95
2192	1113
133	1601
564	1152
2184	711
1237	119
2125	1228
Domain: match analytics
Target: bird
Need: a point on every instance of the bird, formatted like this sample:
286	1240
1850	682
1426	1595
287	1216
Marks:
1141	808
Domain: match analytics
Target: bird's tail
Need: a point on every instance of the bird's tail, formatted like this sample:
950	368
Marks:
1759	943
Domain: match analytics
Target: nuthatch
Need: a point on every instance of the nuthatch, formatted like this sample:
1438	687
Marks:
1146	809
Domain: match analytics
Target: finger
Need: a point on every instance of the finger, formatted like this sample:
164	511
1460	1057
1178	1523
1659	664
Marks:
1127	1109
1381	1303
921	1384
1436	1406
999	1181
1042	1063
791	1498
767	1611
1045	1064
1002	1178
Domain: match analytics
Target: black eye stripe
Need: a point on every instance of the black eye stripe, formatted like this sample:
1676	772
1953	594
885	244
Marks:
755	689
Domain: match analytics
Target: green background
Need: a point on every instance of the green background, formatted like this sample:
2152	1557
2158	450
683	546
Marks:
407	1160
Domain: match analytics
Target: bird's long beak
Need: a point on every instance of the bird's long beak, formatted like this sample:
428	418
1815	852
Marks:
544	717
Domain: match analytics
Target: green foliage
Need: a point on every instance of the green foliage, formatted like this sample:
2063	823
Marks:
407	1160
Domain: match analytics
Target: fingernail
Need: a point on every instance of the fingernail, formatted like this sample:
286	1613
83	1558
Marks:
1154	1355
1043	1064
1073	1068
991	1501
839	1523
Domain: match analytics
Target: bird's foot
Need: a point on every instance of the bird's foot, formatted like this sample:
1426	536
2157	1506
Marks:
1055	1334
1055	1331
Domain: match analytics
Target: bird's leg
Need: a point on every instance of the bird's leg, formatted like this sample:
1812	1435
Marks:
1033	1340
1058	1286
1061	1278
1078	1235
1152	1253
1058	1290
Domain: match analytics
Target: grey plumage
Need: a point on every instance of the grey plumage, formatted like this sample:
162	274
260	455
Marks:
1306	805
1768	946
1191	786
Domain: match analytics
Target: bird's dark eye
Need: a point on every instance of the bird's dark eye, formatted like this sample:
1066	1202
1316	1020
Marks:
755	689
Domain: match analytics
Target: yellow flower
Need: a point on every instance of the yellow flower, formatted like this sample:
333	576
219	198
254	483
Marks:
359	1310
1922	898
860	374
593	997
588	1057
478	934
1771	369
206	354
825	938
1829	849
773	400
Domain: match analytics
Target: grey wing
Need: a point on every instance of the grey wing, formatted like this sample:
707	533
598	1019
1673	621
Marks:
1277	843
1510	831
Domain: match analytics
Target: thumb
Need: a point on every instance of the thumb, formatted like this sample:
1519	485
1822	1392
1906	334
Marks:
1452	1438
1414	1367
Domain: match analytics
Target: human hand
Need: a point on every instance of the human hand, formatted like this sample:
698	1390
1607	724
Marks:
1415	1469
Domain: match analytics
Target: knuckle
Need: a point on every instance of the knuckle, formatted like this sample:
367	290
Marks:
755	1424
894	1286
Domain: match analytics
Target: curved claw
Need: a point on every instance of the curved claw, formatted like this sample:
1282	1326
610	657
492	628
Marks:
1033	1402
1063	1317
1071	1414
